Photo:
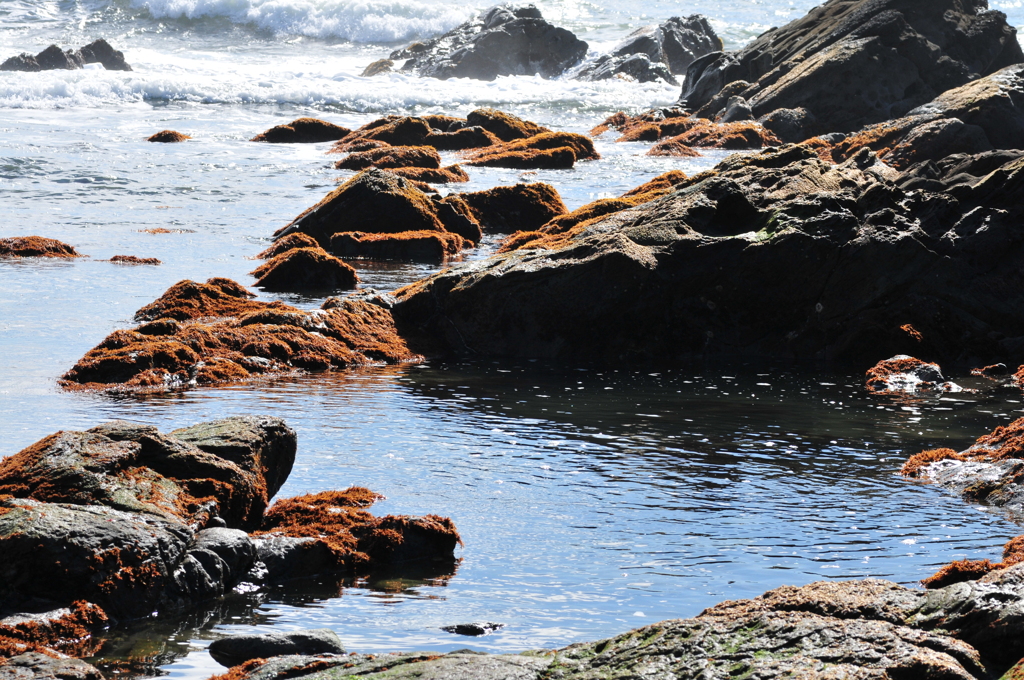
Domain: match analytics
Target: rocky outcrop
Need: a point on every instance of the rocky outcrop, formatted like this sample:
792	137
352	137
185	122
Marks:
237	649
305	269
137	521
303	131
296	240
868	629
678	133
35	246
851	63
685	274
97	52
40	666
548	150
503	41
520	207
378	68
214	332
905	374
168	137
657	52
417	246
452	174
390	157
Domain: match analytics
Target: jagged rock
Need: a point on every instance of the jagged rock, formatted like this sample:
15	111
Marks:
237	649
684	275
502	41
53	57
853	63
657	52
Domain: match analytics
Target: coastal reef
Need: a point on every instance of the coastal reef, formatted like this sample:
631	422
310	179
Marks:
122	520
202	333
53	57
502	41
863	629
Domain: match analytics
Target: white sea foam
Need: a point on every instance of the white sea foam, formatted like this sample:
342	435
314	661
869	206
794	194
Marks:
362	21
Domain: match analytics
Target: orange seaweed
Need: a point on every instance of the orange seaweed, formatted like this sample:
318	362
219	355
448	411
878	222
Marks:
132	259
168	137
296	240
35	246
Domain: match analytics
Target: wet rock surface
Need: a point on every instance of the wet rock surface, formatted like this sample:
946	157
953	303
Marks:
96	52
853	63
551	150
35	246
39	666
237	649
906	374
503	41
299	269
416	246
168	137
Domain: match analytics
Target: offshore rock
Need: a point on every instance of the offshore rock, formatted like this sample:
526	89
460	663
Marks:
520	207
168	137
302	131
906	374
417	246
856	62
237	649
35	246
549	150
296	240
683	275
97	52
390	157
503	41
214	332
39	666
299	269
657	52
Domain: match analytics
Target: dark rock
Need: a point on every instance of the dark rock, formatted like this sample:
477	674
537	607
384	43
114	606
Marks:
296	240
100	51
789	125
300	269
873	259
390	157
53	58
853	63
906	374
288	557
237	649
35	246
736	109
502	41
472	137
453	174
638	67
37	666
463	665
474	629
21	62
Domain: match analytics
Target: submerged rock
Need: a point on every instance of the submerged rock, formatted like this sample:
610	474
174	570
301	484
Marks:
418	246
853	63
133	259
168	137
303	131
205	333
237	649
35	246
502	41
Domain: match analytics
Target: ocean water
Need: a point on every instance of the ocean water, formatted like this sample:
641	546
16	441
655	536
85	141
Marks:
591	499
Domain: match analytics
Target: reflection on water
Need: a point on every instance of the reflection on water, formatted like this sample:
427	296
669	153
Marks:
595	500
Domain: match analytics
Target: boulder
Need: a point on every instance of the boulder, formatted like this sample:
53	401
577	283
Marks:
35	246
303	131
389	157
657	52
550	150
67	630
706	134
237	649
452	174
905	374
856	62
39	666
520	207
387	131
504	126
53	57
210	333
683	275
417	246
304	269
503	41
296	240
168	137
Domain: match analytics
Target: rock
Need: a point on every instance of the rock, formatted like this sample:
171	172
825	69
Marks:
735	110
301	269
418	246
521	207
706	134
452	174
391	157
993	372
888	56
237	649
35	246
504	126
472	137
68	630
168	137
53	57
551	150
303	131
375	202
391	130
657	52
502	41
474	629
246	338
37	666
638	67
906	374
455	665
789	125
873	259
132	259
377	68
296	240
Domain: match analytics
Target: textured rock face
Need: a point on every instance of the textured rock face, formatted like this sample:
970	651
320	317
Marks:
856	62
503	41
687	274
231	651
35	246
657	52
37	666
300	269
